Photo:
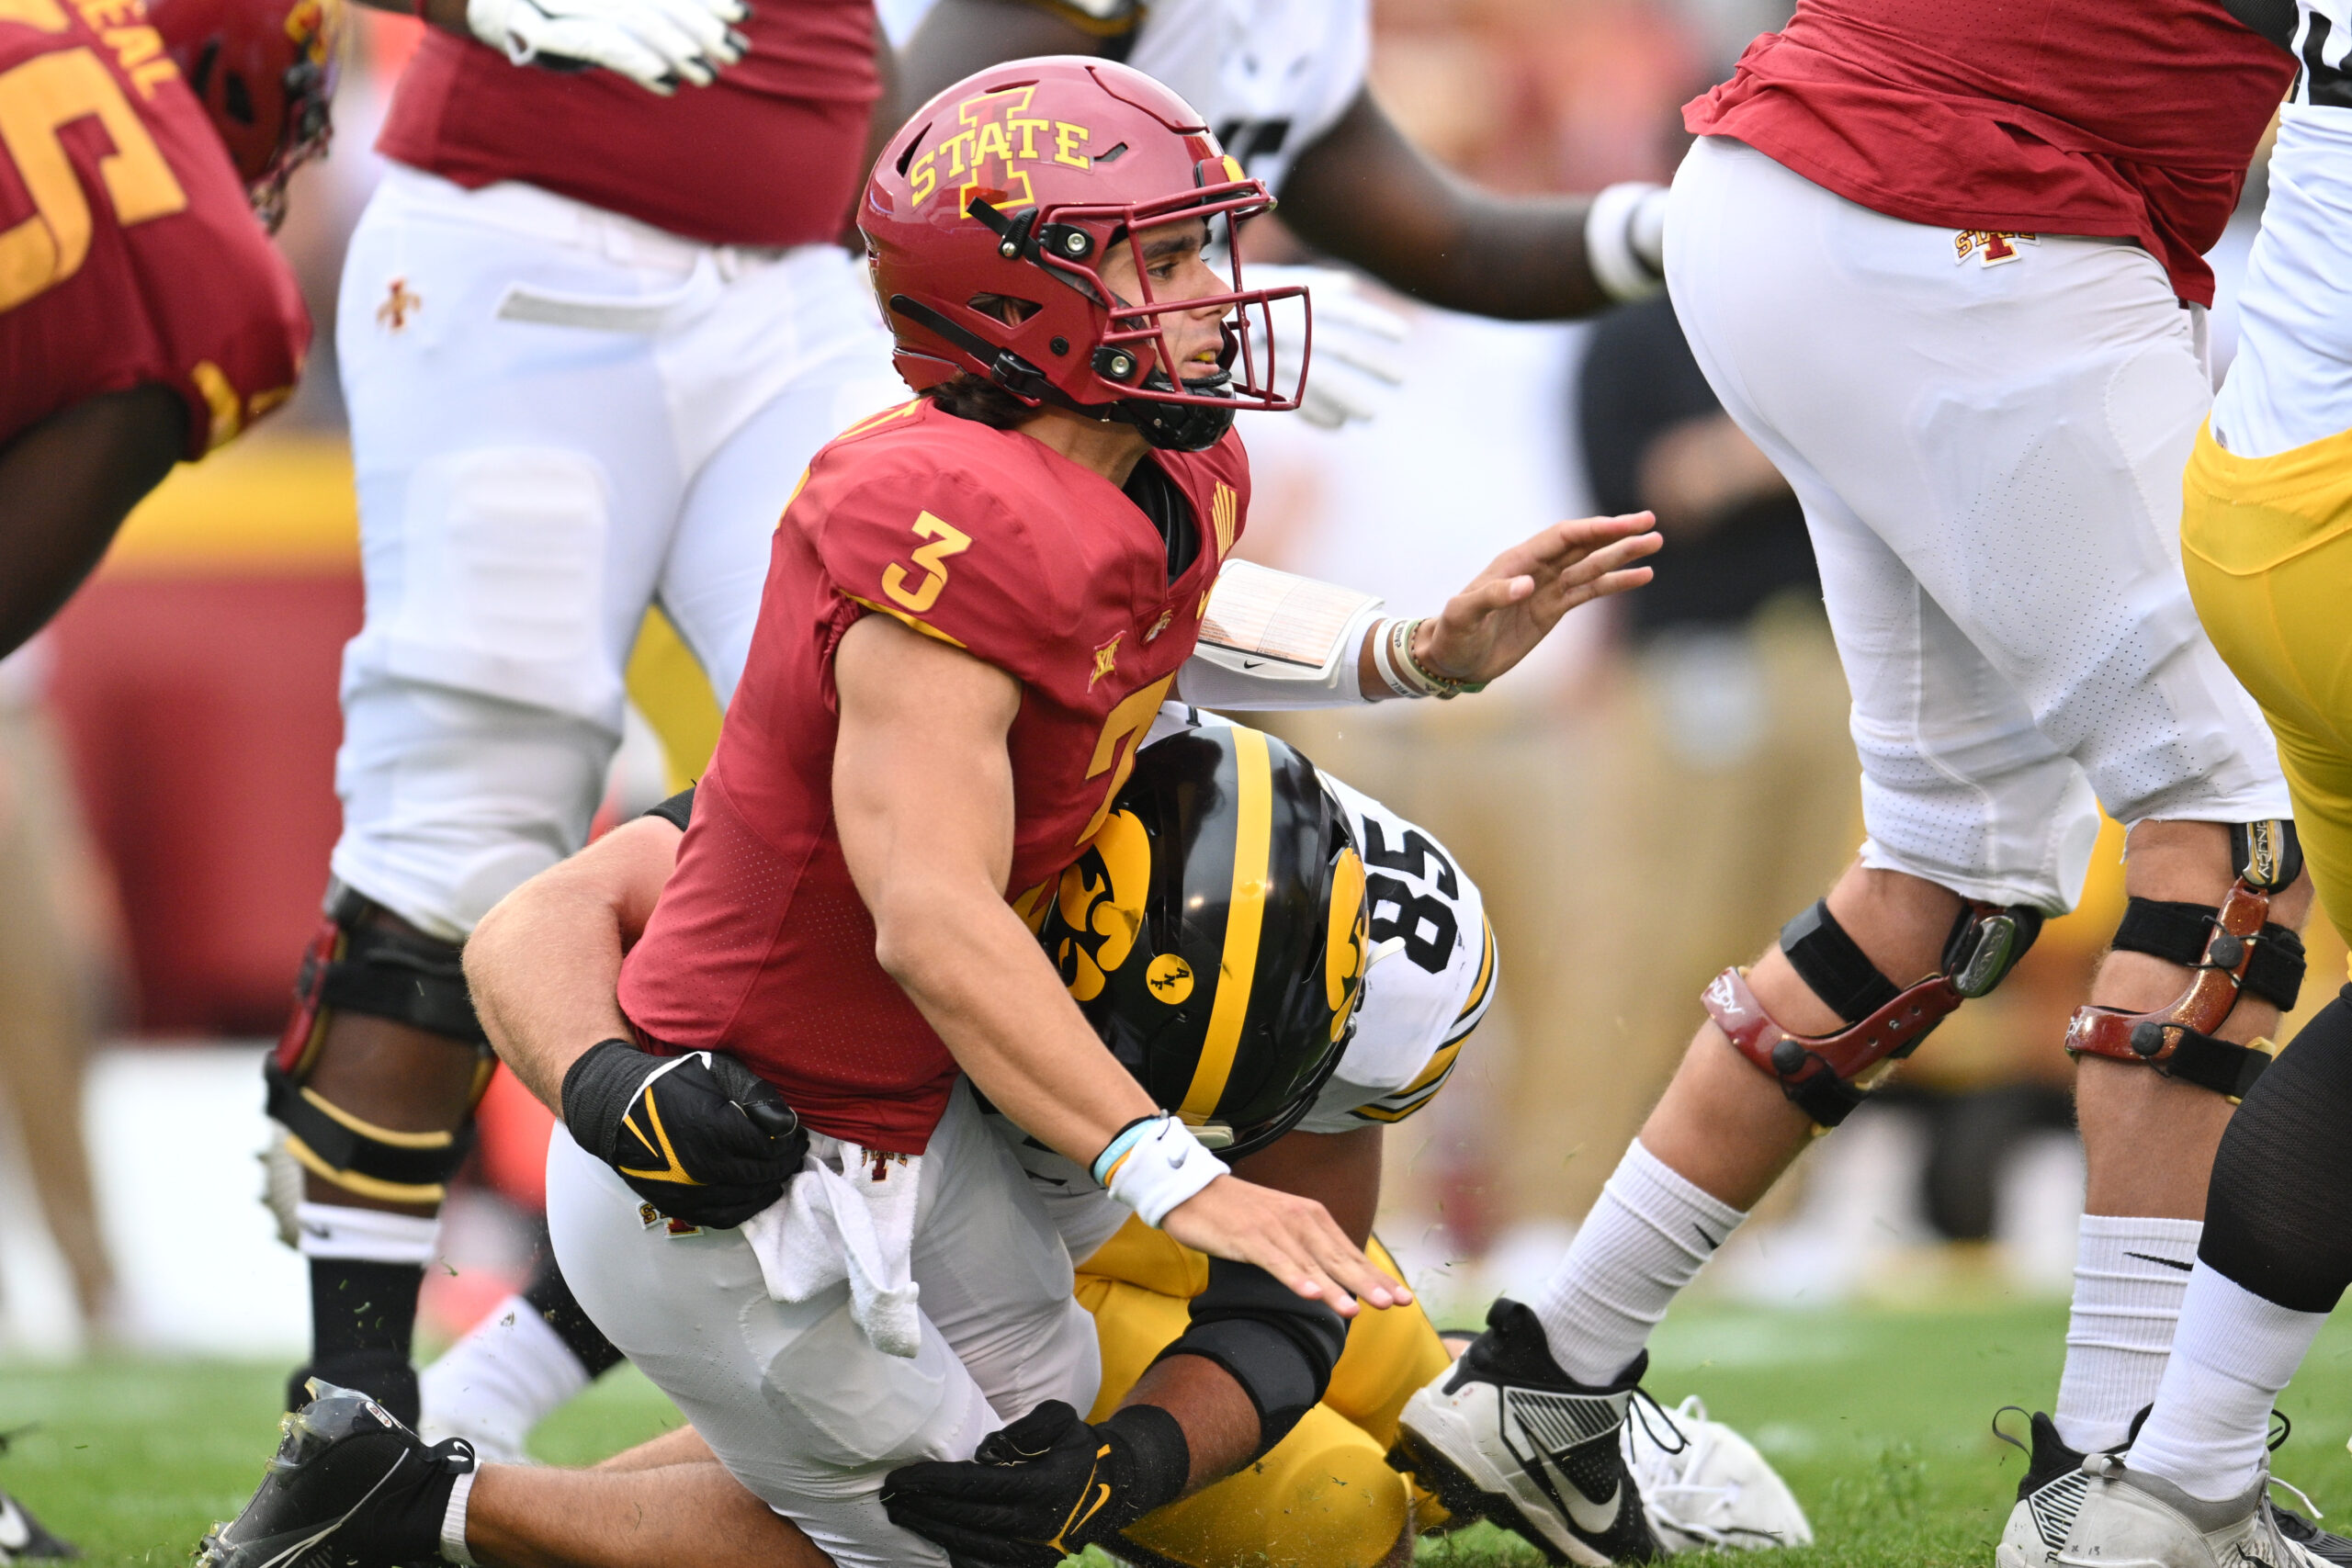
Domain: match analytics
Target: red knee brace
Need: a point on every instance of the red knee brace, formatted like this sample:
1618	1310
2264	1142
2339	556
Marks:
1821	1074
2231	949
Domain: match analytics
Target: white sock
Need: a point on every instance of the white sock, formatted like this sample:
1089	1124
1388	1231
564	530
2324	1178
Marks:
2130	1274
496	1384
2232	1353
370	1236
1643	1242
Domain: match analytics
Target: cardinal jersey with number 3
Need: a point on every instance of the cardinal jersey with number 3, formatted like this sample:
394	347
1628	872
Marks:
129	254
991	542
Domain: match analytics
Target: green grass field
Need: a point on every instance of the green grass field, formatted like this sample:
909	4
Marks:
1877	1418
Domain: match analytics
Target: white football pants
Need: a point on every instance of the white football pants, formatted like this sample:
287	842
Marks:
796	1402
1990	460
558	416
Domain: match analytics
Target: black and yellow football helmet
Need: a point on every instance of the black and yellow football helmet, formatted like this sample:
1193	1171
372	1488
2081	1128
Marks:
1214	934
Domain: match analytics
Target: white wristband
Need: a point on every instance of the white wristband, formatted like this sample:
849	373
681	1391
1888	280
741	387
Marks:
1625	240
1163	1167
453	1522
1384	662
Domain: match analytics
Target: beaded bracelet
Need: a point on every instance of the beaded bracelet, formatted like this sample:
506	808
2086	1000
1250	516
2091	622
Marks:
1445	688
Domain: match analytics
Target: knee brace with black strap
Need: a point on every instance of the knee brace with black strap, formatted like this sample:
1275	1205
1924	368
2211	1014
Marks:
356	964
1827	1076
2229	950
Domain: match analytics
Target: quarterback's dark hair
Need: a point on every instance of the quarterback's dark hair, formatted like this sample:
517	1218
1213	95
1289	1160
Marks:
967	396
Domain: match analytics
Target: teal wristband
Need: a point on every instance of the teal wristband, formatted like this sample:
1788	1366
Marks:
1125	1138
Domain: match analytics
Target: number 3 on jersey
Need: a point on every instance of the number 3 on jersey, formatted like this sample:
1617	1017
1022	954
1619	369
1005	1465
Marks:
38	99
947	540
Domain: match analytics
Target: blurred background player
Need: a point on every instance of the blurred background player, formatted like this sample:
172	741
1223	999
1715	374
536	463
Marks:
2264	540
144	319
1282	84
592	327
1983	417
144	316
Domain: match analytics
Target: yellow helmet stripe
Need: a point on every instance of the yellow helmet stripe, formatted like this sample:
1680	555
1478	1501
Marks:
1245	917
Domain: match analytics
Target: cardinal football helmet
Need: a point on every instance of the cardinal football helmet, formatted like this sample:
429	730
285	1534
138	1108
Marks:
265	70
1214	933
1001	197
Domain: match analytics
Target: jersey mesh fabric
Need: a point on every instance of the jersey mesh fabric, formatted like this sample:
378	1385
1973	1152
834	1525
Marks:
2059	116
194	298
989	540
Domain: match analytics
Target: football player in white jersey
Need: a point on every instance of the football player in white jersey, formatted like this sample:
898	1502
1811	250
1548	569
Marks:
2269	564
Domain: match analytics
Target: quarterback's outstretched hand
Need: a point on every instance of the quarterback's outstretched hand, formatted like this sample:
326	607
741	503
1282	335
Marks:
1510	607
1293	1238
701	1137
655	44
1044	1488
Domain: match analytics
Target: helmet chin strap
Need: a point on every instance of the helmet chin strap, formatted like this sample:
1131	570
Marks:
1173	426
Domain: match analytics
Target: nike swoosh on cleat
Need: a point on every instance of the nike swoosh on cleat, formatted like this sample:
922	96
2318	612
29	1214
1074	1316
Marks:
294	1553
2167	1262
1593	1519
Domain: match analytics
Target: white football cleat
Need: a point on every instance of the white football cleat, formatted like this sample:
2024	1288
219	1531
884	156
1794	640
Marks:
1713	1490
2132	1519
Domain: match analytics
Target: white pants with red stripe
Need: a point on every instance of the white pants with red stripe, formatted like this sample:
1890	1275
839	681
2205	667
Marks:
558	416
1988	441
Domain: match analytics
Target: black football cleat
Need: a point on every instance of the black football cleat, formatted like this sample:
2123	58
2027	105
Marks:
22	1537
1505	1435
349	1487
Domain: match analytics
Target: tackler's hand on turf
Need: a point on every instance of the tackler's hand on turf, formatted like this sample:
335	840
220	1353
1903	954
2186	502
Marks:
701	1137
1293	1238
1510	607
1043	1489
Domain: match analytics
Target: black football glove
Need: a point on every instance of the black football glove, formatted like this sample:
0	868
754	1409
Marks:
1043	1488
701	1137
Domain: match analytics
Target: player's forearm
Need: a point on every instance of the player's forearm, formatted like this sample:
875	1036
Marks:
1367	196
980	979
543	967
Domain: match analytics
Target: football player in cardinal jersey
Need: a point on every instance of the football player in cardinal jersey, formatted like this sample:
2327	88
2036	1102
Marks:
1945	272
593	323
144	316
1148	928
977	606
1282	84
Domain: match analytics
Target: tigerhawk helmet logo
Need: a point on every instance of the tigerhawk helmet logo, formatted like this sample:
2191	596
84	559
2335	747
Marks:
1101	899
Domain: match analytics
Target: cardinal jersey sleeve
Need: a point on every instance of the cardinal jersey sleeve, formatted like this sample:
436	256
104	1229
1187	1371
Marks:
1431	976
128	253
928	540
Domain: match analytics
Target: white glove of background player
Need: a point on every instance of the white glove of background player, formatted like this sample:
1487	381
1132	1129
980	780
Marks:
655	44
1355	343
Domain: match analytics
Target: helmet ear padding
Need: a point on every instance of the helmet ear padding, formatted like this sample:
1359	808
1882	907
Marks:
1196	933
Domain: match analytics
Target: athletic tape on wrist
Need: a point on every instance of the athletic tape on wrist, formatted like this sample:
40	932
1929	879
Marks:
1609	248
1160	1170
453	1522
1383	662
